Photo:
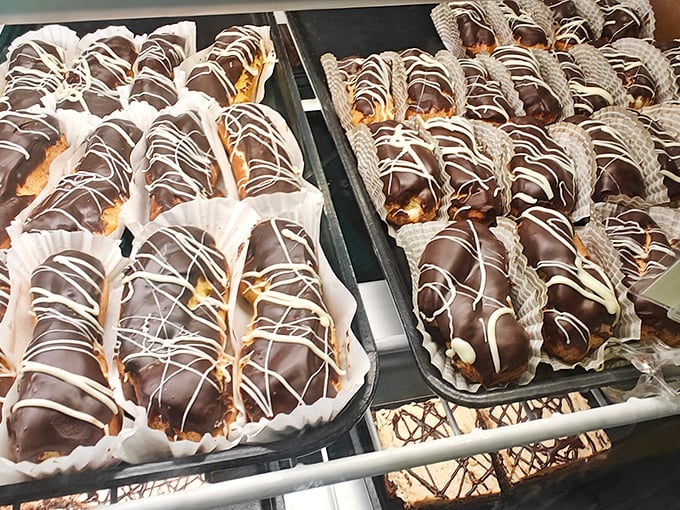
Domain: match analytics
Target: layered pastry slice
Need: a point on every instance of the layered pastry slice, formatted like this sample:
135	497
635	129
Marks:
64	399
289	355
91	197
172	333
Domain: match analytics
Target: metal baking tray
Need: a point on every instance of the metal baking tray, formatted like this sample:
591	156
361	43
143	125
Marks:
281	94
363	31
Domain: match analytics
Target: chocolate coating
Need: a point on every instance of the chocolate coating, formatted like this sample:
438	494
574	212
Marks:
526	31
101	181
259	154
582	306
158	57
476	33
408	170
171	332
236	50
485	99
617	172
372	97
7	377
430	90
181	162
588	96
571	28
542	172
464	301
475	191
5	289
671	50
54	414
619	21
208	77
668	153
636	78
289	350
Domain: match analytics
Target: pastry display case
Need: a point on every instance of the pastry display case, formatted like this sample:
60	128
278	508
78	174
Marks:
407	436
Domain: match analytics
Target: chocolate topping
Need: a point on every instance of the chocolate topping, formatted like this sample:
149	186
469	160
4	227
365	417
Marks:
538	98
289	352
475	191
101	181
636	78
475	31
619	21
5	288
7	377
582	306
208	77
171	333
671	51
158	57
464	302
542	172
588	96
408	170
485	99
181	162
258	152
430	90
64	400
372	98
668	153
526	31
572	28
617	172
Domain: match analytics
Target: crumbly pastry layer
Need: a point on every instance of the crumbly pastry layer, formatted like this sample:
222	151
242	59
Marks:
92	80
476	194
645	253
521	463
172	332
456	481
29	141
34	70
158	57
539	99
258	152
409	172
588	96
90	198
182	166
582	307
464	302
429	85
485	99
233	68
617	172
476	33
64	399
289	354
542	173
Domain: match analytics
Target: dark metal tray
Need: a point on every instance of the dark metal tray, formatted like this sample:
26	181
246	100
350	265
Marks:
370	30
281	94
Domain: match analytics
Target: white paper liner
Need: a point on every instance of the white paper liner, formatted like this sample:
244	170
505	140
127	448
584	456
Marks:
136	213
592	14
447	27
498	22
270	59
29	251
498	72
579	148
338	90
458	81
655	62
641	147
58	35
414	238
499	147
597	70
646	12
554	77
541	14
668	115
668	220
7	324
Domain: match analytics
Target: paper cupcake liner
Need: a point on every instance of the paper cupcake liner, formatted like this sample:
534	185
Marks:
589	10
457	75
25	255
499	146
498	72
579	148
554	77
668	220
541	14
668	115
498	22
447	27
597	69
656	64
338	90
641	147
399	83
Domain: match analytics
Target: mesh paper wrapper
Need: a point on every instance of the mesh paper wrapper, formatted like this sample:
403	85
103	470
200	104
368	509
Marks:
498	22
646	12
499	146
554	77
399	90
655	62
668	115
446	26
592	14
641	146
541	14
526	300
578	147
597	69
457	78
26	254
498	72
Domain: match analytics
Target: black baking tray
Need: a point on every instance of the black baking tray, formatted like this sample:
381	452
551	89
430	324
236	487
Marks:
363	31
281	94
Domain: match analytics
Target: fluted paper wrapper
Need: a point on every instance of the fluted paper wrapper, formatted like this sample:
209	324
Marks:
498	21
499	146
554	77
656	64
641	146
592	14
447	27
8	322
498	72
26	254
541	14
668	115
182	71
457	78
646	12
597	70
414	238
668	220
579	148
